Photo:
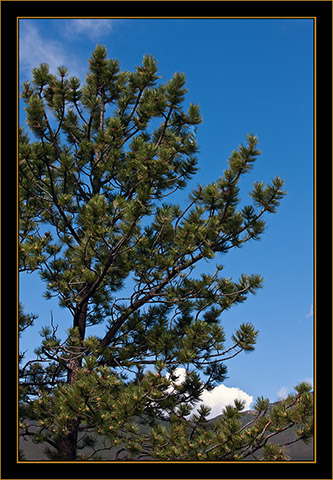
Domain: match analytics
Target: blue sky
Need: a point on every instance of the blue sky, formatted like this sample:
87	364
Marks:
248	75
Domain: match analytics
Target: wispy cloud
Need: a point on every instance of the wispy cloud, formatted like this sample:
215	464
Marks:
310	314
37	46
309	380
93	28
282	393
34	49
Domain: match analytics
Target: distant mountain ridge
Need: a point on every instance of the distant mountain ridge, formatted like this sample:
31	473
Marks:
297	451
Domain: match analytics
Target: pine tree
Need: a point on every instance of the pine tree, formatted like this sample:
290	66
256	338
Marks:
94	186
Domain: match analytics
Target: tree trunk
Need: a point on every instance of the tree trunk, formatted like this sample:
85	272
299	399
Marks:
80	317
67	446
73	365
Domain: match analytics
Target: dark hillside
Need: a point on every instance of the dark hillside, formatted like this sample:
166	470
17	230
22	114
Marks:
298	451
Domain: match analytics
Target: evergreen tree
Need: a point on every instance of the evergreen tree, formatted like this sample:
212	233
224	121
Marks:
95	217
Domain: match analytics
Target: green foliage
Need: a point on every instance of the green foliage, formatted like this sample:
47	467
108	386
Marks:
25	320
94	216
228	438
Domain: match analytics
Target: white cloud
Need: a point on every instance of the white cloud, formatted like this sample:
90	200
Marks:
310	314
180	373
310	381
282	393
92	28
221	396
218	398
307	380
34	49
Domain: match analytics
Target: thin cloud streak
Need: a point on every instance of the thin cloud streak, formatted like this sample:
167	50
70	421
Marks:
310	314
92	28
34	50
282	393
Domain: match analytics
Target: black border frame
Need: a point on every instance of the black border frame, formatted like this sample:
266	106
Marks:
322	11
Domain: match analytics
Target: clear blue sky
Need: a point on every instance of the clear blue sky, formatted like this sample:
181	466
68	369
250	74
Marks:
248	75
